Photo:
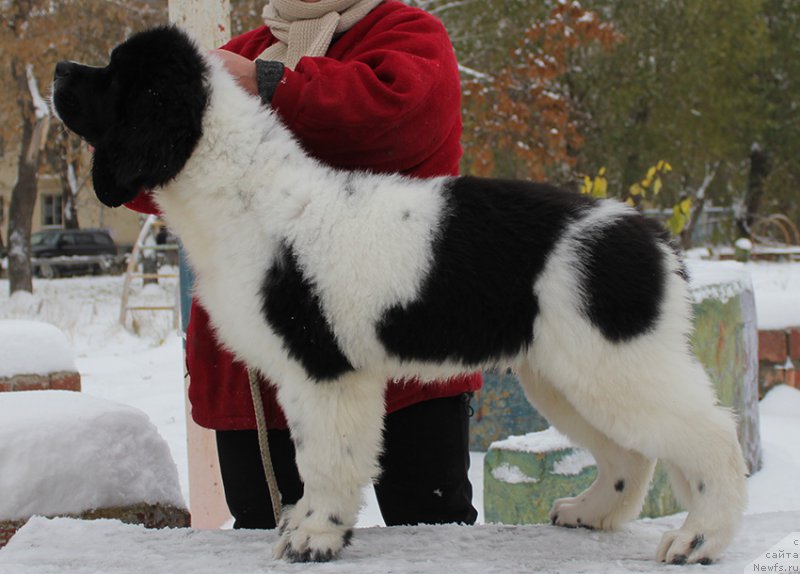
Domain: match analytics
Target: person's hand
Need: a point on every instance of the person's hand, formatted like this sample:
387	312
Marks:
242	69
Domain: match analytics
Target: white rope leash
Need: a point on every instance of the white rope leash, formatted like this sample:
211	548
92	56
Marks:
263	445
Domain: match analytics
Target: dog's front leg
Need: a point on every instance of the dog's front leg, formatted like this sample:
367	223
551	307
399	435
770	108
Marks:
336	427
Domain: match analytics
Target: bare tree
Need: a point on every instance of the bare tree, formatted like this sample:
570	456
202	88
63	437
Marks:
64	155
36	122
34	35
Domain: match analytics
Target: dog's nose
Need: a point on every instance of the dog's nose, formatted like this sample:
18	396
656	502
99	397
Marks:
63	69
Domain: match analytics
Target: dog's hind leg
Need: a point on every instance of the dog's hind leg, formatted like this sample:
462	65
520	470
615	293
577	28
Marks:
623	475
707	473
657	400
680	484
621	357
336	427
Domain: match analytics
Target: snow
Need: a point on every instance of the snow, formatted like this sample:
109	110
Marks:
547	440
776	286
777	291
69	546
39	104
721	279
66	452
466	71
512	474
782	401
574	463
144	370
17	247
33	348
775	487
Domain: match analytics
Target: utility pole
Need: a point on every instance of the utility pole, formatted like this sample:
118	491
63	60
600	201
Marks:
208	22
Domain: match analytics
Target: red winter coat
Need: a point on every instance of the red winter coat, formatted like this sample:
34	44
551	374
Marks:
385	98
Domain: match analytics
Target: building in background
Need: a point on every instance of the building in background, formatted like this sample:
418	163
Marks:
123	224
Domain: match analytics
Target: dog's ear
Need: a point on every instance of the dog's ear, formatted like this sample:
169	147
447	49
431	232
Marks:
106	186
159	116
161	130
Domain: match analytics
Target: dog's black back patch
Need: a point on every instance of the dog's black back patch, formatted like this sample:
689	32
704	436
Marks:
292	308
478	303
624	278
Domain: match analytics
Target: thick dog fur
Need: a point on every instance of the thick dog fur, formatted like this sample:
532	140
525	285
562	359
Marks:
332	282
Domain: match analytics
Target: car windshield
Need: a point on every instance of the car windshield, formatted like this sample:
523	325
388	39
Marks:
44	238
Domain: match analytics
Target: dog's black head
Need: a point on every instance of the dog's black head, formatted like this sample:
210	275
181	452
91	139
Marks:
142	112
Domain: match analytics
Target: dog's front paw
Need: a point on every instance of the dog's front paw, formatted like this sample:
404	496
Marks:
310	536
687	547
557	517
588	510
566	512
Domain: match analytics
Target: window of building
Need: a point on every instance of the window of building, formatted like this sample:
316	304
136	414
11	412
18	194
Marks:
52	210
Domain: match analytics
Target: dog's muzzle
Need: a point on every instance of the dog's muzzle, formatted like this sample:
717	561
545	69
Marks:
64	101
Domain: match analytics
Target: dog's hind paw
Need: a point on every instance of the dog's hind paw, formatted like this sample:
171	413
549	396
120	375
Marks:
585	511
686	547
308	536
566	513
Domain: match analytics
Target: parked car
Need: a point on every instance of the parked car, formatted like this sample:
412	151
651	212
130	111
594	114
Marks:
56	252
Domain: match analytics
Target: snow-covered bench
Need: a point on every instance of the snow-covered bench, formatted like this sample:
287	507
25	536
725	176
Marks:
68	454
36	356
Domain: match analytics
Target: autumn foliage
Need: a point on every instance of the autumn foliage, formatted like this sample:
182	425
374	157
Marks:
519	121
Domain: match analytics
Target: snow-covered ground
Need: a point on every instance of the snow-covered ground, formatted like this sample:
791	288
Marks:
144	370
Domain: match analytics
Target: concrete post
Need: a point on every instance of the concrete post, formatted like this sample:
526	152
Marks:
209	23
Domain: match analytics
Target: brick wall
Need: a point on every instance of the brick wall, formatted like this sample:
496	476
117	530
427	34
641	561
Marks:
59	381
778	359
8	528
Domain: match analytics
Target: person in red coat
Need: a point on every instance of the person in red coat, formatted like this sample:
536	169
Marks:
368	85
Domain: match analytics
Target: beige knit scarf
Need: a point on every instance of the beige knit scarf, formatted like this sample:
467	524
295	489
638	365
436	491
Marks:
307	28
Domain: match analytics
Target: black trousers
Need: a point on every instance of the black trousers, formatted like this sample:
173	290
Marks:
425	468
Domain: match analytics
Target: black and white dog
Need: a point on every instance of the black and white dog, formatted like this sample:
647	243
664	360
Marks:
332	282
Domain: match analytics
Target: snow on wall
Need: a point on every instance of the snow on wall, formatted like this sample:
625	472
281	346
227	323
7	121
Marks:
574	463
33	348
775	285
511	474
720	279
66	452
547	440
